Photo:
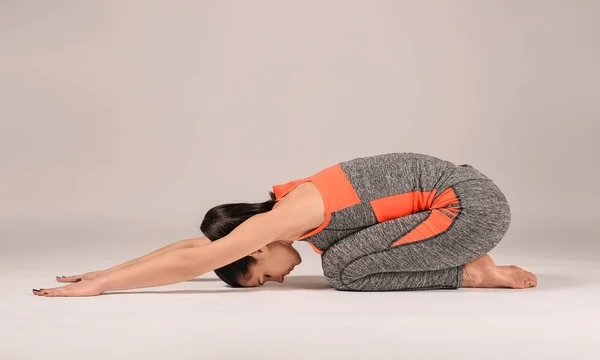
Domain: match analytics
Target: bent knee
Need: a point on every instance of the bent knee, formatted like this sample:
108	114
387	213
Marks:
342	279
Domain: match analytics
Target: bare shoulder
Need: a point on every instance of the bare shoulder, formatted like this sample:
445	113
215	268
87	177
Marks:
302	209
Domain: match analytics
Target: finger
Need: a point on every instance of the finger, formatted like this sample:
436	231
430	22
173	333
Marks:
57	294
66	293
68	278
39	292
50	291
55	288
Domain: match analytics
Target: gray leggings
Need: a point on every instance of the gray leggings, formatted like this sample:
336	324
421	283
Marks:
372	260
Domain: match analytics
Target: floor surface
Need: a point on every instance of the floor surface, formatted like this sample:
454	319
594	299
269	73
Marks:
302	318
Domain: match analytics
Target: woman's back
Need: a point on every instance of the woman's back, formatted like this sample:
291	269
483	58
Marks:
353	194
305	205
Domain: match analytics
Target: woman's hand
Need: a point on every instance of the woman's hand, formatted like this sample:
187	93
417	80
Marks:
87	276
81	288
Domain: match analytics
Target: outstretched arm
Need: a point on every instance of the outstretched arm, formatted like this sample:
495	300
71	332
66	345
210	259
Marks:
188	263
182	244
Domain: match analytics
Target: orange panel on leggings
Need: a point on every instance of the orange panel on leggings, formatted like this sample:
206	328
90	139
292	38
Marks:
442	216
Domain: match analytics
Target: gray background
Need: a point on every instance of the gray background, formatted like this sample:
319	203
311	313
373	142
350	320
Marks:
122	122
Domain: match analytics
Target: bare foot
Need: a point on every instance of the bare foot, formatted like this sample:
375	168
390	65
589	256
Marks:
483	273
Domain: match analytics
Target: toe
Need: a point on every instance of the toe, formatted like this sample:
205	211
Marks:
520	278
522	282
531	279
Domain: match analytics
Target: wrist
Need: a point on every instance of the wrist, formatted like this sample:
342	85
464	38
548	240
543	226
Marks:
103	282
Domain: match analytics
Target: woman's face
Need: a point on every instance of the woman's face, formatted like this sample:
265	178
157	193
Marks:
273	263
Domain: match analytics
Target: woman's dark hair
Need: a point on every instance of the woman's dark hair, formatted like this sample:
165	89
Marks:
220	221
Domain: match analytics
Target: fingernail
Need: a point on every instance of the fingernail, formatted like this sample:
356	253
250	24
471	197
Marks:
45	293
41	289
78	280
35	290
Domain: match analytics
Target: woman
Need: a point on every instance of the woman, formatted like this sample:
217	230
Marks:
398	221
